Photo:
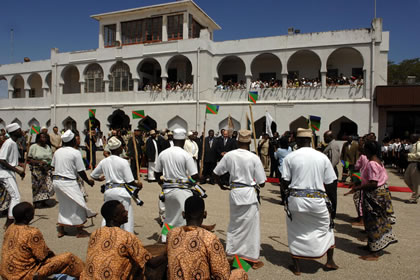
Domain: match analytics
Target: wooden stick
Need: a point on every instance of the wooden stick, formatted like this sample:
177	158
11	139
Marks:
90	145
137	157
203	146
312	135
27	152
253	128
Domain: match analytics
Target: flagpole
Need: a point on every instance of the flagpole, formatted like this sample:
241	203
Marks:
27	151
312	135
133	137
203	145
253	129
90	144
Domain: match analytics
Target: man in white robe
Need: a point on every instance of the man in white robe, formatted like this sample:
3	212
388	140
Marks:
68	163
309	225
9	160
191	146
117	174
176	166
246	177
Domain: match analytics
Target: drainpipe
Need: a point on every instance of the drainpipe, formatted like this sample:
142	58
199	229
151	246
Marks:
197	109
55	94
372	78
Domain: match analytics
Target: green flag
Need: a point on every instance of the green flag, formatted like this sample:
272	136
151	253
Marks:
240	263
315	122
212	109
138	114
356	177
35	129
92	113
345	163
253	96
166	228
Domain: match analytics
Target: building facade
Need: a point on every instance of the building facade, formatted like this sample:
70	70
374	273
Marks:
162	59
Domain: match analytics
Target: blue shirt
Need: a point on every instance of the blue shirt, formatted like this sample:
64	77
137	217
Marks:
280	154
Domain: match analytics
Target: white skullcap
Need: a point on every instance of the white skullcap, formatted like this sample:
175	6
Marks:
113	143
44	127
12	127
190	133
179	133
67	136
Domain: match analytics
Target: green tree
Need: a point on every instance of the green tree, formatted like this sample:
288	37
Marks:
398	73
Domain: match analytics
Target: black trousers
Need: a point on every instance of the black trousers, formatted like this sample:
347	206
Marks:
133	167
208	168
274	168
331	191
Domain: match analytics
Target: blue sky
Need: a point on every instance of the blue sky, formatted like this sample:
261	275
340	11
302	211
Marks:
45	24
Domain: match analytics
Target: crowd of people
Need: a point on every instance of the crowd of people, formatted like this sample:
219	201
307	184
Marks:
170	86
178	160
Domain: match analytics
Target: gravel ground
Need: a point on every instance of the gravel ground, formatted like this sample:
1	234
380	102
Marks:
400	261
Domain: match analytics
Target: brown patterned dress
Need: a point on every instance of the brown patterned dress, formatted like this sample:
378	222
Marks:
25	254
195	253
114	253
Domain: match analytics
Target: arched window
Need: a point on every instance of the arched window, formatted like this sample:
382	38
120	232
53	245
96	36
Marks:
94	79
120	78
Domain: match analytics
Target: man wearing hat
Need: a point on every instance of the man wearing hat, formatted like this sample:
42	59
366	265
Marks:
152	153
175	165
191	146
9	160
68	164
246	177
131	152
309	226
117	174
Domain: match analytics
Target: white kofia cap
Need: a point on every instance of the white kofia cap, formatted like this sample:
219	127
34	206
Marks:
12	127
190	133
179	133
113	143
67	136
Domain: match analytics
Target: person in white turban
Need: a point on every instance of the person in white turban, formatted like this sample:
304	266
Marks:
68	164
9	160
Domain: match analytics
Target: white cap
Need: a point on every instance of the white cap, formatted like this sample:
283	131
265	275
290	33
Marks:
12	127
113	143
67	136
179	133
190	133
44	127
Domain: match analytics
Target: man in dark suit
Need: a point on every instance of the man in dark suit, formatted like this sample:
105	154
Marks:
225	144
152	152
210	157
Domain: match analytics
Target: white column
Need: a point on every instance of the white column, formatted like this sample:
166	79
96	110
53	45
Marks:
135	85
45	91
164	83
284	80
323	82
248	81
10	93
82	87
60	91
185	30
27	91
101	36
164	28
118	35
106	86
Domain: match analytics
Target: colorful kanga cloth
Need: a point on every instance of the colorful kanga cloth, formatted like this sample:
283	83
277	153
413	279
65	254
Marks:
42	188
4	197
114	253
25	253
195	253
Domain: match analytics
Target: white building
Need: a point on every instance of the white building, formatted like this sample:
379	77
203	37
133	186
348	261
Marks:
174	42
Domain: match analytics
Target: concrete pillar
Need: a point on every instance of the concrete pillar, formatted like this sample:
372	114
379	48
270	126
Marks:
10	93
27	91
106	85
118	35
323	82
45	91
284	80
185	30
164	83
248	81
101	36
82	87
60	90
135	85
164	28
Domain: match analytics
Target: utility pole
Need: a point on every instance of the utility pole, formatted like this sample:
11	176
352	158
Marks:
11	45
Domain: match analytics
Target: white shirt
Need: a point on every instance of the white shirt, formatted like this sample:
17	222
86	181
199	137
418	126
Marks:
67	162
175	163
10	153
307	168
246	168
191	147
116	170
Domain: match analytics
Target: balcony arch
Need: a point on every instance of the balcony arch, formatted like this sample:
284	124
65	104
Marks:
231	68
16	120
35	83
260	126
224	124
300	122
118	120
4	89
343	127
94	78
150	72
179	68
304	64
18	85
48	81
120	78
346	61
177	122
33	122
266	67
69	123
70	76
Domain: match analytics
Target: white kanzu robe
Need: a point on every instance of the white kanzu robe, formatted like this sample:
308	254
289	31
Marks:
309	234
243	235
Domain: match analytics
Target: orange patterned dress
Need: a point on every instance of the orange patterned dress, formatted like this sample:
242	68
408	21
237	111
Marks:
114	253
25	254
195	253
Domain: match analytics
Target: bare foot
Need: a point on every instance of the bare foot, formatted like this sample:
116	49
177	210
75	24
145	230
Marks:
293	269
82	234
358	224
330	266
370	257
257	265
60	234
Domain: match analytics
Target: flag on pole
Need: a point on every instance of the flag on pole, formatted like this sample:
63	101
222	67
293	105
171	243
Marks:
345	163
212	109
315	122
248	122
35	129
253	96
241	263
92	113
268	122
138	114
166	228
